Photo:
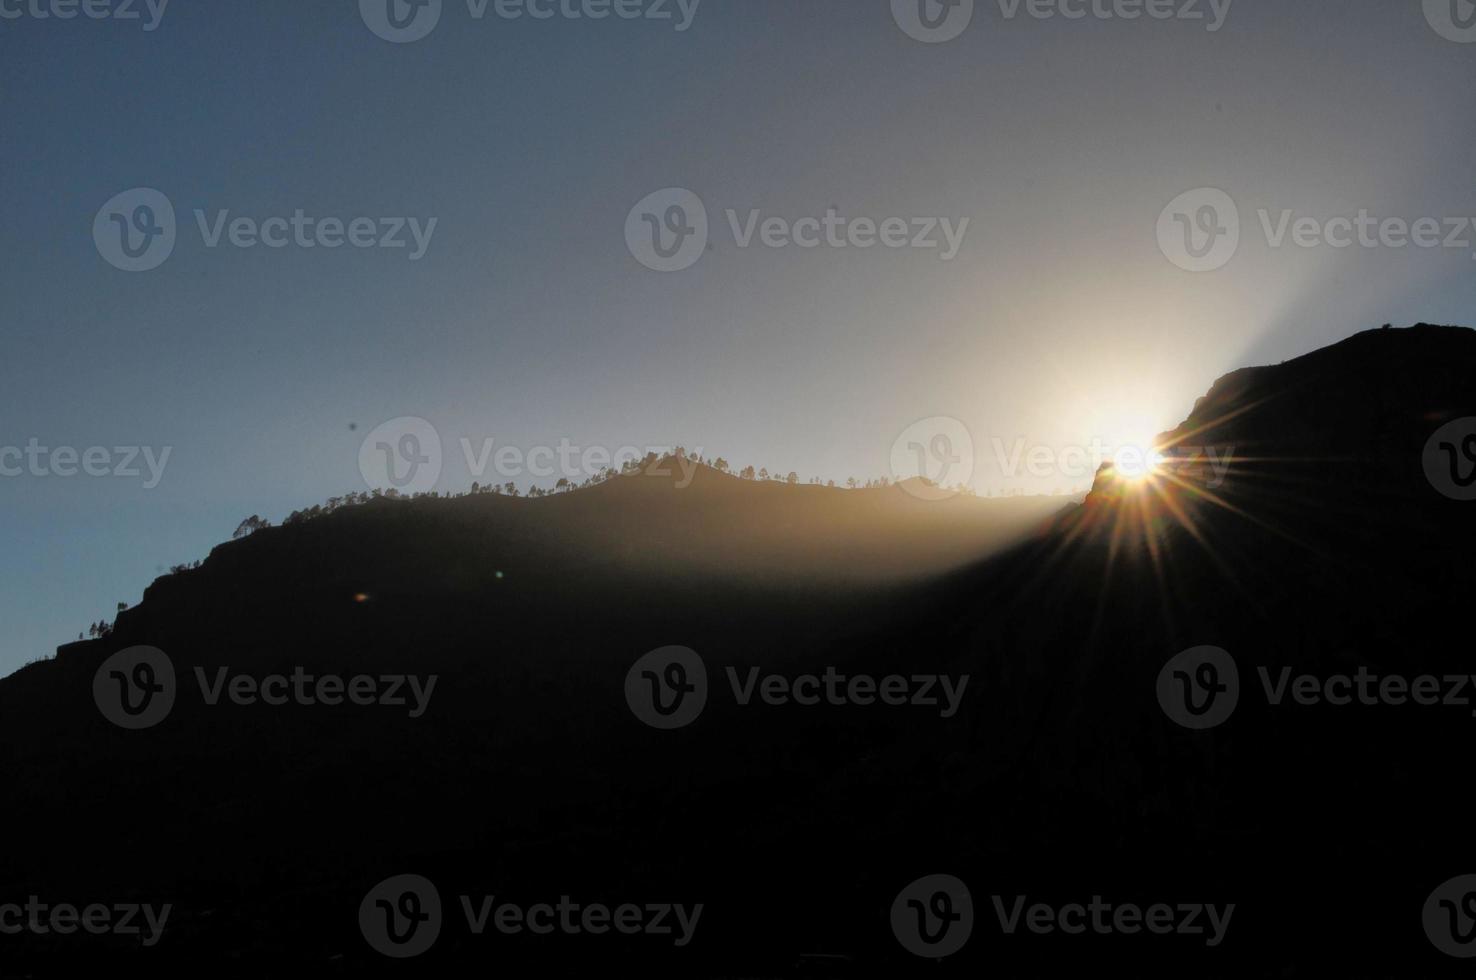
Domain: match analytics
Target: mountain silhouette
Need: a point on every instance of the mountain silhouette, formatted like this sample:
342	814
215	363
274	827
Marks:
1313	538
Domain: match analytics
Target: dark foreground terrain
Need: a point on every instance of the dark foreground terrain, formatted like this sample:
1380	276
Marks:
1074	766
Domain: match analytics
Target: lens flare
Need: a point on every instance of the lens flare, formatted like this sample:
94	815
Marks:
1137	461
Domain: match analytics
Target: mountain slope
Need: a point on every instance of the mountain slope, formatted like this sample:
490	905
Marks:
1325	549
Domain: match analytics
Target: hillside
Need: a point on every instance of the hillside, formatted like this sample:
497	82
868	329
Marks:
1326	548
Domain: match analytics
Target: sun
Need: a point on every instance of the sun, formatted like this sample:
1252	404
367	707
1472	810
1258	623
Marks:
1137	461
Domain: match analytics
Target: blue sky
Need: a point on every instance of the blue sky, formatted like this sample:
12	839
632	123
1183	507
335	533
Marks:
529	321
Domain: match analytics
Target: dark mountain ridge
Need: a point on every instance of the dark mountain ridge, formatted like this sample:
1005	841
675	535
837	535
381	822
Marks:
1325	549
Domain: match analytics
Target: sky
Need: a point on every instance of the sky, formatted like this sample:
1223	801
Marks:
1087	302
